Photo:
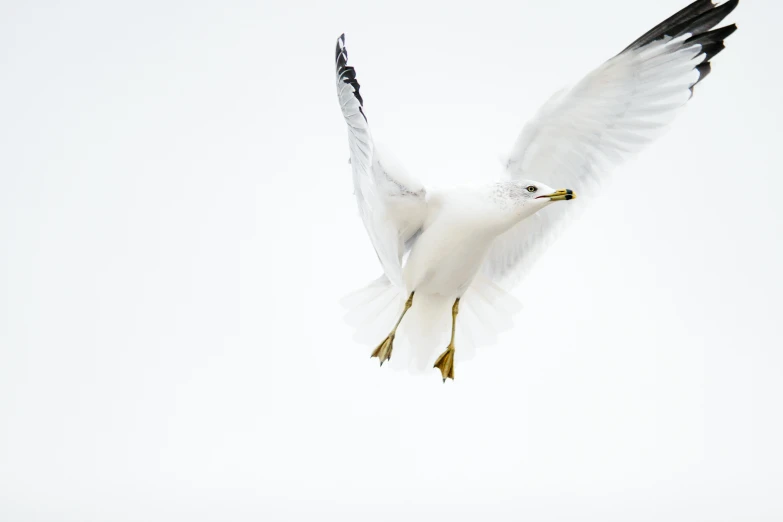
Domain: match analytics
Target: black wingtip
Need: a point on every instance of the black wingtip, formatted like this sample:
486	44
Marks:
712	49
340	54
345	73
732	3
705	21
659	31
697	18
704	70
713	36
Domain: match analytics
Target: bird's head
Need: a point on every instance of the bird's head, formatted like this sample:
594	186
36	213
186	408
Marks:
523	198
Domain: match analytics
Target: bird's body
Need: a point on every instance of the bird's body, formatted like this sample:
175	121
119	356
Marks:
460	227
454	241
462	242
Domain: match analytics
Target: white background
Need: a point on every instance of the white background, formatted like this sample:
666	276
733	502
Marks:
177	226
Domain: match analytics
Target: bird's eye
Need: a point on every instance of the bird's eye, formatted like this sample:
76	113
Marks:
531	188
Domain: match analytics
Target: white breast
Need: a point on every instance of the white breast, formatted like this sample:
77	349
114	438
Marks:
449	253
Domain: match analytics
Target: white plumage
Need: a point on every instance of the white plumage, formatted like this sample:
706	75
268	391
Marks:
463	240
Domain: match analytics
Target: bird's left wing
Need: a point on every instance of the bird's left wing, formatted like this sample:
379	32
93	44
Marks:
391	203
580	133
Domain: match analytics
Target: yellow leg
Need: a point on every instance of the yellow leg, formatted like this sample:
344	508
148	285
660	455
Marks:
445	361
384	350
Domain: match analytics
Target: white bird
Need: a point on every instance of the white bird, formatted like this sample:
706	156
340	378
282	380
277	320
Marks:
437	246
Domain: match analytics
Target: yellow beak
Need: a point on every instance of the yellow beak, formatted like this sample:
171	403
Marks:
559	195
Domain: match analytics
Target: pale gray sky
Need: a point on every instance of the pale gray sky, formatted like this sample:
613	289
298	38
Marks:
177	225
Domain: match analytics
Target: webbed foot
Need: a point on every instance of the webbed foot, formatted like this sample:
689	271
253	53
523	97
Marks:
445	363
384	350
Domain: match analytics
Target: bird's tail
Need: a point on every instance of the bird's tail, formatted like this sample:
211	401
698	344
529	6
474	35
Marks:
485	310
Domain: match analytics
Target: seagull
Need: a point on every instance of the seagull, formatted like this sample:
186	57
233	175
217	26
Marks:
437	245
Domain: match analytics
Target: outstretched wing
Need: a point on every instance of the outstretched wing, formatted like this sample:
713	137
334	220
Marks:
580	133
391	203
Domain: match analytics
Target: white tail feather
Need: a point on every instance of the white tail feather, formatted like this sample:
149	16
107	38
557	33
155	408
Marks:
485	311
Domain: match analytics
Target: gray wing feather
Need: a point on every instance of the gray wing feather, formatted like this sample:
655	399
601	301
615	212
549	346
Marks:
581	133
392	205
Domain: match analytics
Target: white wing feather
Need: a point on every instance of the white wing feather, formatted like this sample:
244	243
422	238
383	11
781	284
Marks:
582	132
391	203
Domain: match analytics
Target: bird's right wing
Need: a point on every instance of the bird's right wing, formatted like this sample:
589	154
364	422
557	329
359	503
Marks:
391	203
582	132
